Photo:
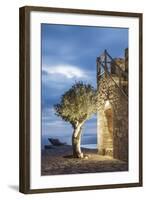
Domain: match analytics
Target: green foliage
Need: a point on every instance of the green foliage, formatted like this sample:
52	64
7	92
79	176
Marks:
77	104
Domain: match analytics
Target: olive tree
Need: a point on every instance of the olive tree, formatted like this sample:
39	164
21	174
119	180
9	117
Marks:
76	106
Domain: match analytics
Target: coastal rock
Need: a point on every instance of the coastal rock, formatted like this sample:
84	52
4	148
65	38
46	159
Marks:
56	142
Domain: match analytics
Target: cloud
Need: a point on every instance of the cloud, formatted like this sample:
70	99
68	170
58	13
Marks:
68	71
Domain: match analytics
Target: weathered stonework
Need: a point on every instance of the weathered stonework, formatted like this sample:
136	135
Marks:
113	114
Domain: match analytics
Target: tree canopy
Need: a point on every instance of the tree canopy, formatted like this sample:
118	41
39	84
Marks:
77	104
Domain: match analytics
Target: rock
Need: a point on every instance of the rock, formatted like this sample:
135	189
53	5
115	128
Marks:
56	142
86	157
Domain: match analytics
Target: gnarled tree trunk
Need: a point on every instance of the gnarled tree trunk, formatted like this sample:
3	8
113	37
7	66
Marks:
76	142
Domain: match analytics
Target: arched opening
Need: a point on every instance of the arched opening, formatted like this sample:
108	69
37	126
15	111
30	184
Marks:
109	118
105	130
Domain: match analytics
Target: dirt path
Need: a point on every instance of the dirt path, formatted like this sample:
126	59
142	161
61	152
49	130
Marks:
58	160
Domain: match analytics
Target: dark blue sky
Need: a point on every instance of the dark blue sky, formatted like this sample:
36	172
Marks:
68	55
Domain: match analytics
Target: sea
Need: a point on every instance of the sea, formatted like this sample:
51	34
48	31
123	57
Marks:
87	141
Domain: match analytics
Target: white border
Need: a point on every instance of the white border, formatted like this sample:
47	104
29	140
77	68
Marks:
132	176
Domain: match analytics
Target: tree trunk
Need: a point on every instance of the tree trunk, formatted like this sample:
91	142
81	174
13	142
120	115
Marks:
76	141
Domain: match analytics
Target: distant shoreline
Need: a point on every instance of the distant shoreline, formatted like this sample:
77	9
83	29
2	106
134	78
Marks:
86	140
83	146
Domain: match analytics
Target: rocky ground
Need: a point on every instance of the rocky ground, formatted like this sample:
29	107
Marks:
59	160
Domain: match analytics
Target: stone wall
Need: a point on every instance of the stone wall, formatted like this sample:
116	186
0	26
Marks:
120	124
112	121
113	113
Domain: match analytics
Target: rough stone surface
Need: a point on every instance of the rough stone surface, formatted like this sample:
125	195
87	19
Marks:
113	115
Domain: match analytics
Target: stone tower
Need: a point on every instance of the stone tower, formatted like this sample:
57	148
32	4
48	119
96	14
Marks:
112	115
